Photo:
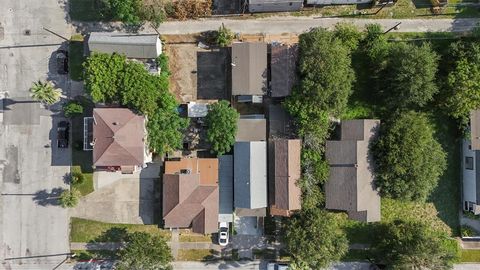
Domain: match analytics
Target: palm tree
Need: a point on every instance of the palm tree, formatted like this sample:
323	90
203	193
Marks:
69	198
45	92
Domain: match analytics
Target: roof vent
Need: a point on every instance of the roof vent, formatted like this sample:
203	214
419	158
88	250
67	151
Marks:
115	123
185	171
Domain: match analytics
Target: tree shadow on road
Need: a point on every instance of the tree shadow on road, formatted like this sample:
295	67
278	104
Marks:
45	198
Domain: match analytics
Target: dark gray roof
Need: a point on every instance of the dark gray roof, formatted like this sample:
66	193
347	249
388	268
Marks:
274	5
280	123
250	175
283	69
249	68
350	186
226	186
132	46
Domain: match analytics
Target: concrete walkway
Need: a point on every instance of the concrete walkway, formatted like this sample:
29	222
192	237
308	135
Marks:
174	243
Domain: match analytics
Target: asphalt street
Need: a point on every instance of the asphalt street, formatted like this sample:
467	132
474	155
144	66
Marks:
297	25
33	228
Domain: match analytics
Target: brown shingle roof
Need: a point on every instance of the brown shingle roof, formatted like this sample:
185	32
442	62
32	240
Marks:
283	69
118	134
475	129
350	185
284	162
187	201
251	130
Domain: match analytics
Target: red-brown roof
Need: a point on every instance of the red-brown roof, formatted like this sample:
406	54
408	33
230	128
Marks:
285	195
189	201
118	136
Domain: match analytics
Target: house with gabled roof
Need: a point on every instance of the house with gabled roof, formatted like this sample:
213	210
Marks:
191	194
119	140
284	171
249	71
350	186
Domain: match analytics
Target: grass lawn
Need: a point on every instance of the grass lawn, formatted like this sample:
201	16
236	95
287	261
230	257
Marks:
470	255
75	60
87	186
86	255
86	10
194	237
84	230
196	254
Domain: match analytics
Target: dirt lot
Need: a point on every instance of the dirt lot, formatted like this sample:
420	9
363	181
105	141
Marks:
198	73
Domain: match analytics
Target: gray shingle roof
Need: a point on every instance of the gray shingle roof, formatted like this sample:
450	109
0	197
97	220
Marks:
249	69
250	175
350	185
132	46
226	187
283	68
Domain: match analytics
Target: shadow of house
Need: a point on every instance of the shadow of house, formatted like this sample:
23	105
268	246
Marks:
213	68
45	198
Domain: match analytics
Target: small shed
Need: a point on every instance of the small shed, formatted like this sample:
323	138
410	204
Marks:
197	109
255	6
141	46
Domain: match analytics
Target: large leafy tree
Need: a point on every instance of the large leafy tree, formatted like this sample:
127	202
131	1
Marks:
45	92
140	89
127	11
463	81
315	239
413	245
144	251
348	33
104	76
409	76
165	126
326	74
222	126
409	158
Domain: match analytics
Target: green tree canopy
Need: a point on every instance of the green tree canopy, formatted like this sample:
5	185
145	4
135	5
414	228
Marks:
409	76
140	90
463	81
348	34
221	121
69	198
73	108
144	251
326	75
104	76
315	239
45	92
409	158
413	245
127	11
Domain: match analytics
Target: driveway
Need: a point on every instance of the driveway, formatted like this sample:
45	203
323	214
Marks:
33	228
122	198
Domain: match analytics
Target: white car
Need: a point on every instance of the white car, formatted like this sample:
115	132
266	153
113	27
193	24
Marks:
223	234
277	266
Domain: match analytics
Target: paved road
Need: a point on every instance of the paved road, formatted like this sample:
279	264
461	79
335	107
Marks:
253	265
278	25
33	229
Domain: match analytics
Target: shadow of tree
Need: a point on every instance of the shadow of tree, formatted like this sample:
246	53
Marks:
45	198
115	234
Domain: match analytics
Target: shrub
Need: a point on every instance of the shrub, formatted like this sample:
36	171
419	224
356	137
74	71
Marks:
224	36
467	231
69	198
72	109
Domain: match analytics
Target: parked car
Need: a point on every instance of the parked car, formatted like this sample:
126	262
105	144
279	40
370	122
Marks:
277	266
223	234
63	130
62	61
